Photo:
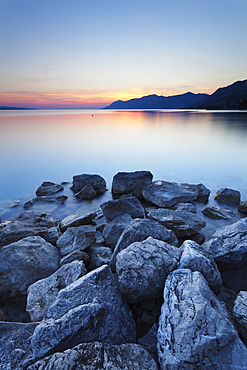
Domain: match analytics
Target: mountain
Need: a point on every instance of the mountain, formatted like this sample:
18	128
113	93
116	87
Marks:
13	108
159	102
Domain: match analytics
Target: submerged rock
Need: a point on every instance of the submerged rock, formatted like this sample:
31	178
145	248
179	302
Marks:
216	212
127	204
59	199
48	188
131	183
228	196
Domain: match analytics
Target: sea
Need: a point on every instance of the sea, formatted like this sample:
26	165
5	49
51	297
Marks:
192	146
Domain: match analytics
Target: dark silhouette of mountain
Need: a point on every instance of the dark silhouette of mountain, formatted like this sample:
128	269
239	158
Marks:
14	108
159	102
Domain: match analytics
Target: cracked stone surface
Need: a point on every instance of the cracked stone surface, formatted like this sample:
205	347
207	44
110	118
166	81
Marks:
240	313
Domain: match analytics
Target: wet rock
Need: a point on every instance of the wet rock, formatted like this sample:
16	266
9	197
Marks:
43	293
167	194
97	183
24	262
99	255
216	212
228	196
131	183
195	329
139	230
127	204
77	220
240	313
142	268
114	229
76	238
242	207
48	188
76	255
182	223
59	199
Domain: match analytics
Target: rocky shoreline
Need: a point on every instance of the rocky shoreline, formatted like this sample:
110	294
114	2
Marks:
132	285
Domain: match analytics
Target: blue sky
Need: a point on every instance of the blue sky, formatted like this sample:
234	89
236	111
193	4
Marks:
89	53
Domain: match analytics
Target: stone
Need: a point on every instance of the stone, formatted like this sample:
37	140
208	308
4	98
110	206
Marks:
240	313
127	204
77	220
224	213
149	341
90	309
195	328
196	258
99	356
15	346
30	223
242	207
131	183
48	188
43	293
228	245
228	196
99	255
76	255
76	238
182	223
86	193
95	181
59	199
189	207
114	229
139	230
167	194
142	268
24	262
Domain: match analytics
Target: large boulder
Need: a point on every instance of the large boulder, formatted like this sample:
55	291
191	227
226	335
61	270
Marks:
167	194
90	309
99	356
43	292
82	183
195	329
114	229
142	268
126	204
131	183
24	262
228	196
182	223
223	213
139	230
48	188
76	238
240	313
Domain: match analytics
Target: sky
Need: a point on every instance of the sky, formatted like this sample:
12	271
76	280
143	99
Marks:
89	53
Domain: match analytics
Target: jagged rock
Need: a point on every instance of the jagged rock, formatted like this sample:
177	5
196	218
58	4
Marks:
242	207
76	238
99	255
24	262
142	268
196	258
95	181
182	223
86	193
59	199
240	313
195	329
228	245
216	212
228	196
48	188
43	292
167	194
99	356
149	341
131	183
126	204
76	255
77	220
30	223
15	344
139	230
90	309
114	229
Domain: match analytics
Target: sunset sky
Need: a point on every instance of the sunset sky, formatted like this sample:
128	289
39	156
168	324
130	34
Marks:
89	53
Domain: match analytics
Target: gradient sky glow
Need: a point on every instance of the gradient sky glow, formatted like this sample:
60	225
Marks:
88	53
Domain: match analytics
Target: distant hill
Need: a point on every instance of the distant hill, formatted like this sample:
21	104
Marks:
14	108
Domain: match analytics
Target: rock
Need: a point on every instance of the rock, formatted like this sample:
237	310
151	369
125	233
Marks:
76	255
131	183
77	220
7	204
228	196
240	313
43	292
24	262
216	212
195	329
30	223
189	207
95	181
242	207
86	193
90	309
149	341
139	230
48	188
99	356
15	344
59	199
127	204
76	238
142	268
182	223
195	258
99	255
167	194
3	316
114	229
228	245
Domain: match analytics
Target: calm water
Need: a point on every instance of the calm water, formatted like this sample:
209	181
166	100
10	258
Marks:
194	147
